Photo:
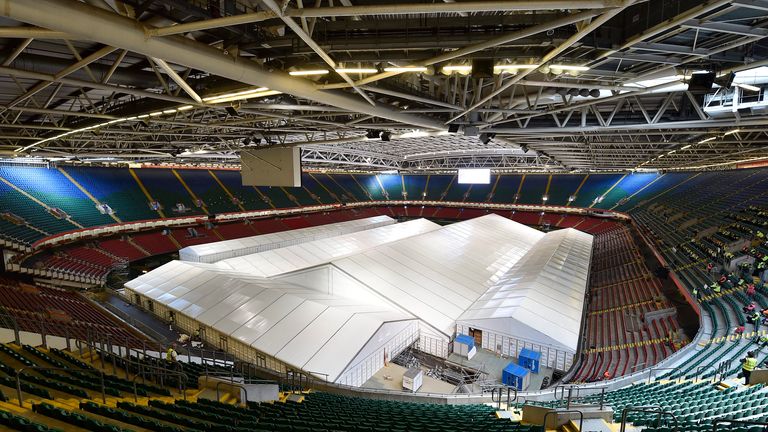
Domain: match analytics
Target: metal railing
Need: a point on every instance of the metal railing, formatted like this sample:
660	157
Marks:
653	409
717	422
19	372
652	370
558	412
560	393
501	392
182	381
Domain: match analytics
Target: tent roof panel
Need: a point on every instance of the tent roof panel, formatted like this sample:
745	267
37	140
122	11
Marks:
312	253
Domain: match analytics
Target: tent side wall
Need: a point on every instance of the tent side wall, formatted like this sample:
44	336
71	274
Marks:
551	357
209	335
400	335
432	342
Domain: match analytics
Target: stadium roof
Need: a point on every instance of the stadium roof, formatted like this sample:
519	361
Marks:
555	85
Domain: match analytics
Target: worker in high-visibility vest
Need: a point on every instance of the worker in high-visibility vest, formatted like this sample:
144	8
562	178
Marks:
748	365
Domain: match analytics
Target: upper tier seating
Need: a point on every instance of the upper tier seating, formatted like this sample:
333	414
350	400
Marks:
622	291
130	192
57	312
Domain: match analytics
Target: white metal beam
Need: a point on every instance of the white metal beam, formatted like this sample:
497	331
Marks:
90	23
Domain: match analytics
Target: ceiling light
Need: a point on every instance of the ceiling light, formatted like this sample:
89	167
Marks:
457	68
731	132
143	116
500	68
406	69
707	140
569	67
748	87
169	111
184	108
155	114
685	147
243	94
356	70
308	72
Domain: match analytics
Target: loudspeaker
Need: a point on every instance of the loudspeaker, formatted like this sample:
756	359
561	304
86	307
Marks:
453	128
482	68
471	131
231	110
701	82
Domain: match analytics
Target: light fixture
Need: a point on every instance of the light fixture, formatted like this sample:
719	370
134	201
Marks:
748	87
685	147
731	132
240	95
401	69
501	68
155	114
308	72
456	68
357	70
169	111
184	108
707	140
564	67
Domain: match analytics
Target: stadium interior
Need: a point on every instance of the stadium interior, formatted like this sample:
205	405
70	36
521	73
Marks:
384	215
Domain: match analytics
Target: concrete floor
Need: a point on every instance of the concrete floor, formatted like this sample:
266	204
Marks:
492	364
390	377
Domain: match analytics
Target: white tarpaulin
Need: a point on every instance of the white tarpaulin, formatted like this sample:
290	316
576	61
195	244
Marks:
541	298
338	307
438	275
216	251
301	327
308	254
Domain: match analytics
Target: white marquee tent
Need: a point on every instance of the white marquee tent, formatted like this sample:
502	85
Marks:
341	338
438	275
216	251
308	254
337	306
539	303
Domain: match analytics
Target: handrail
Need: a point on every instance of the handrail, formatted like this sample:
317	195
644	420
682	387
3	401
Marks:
745	422
233	385
700	369
500	389
653	409
139	366
20	395
556	412
652	370
182	382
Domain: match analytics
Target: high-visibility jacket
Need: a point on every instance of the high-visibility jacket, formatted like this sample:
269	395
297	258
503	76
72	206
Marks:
750	363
